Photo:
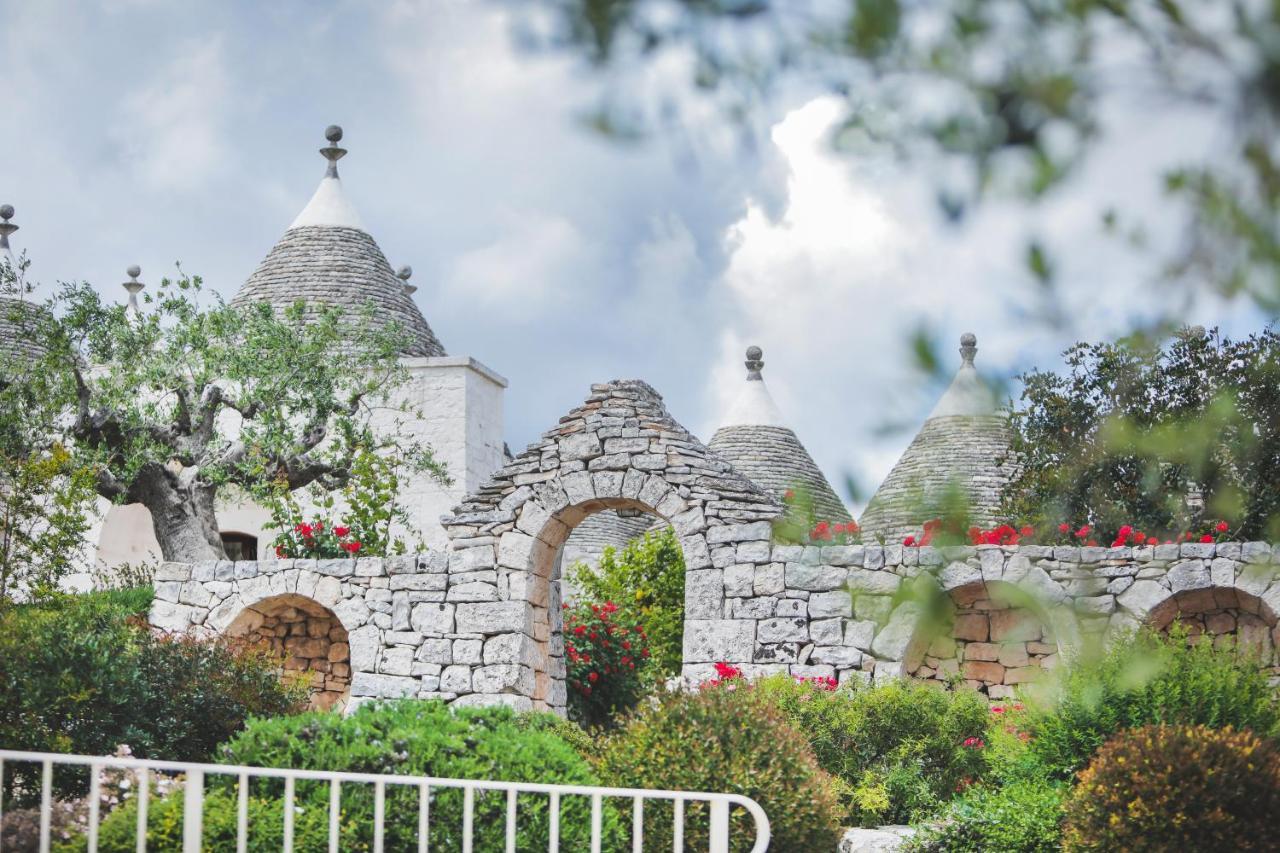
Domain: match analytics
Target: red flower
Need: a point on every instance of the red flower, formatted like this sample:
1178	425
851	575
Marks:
303	528
1206	538
350	547
1028	530
341	531
1082	532
998	709
1221	527
1064	528
909	541
280	552
974	742
593	676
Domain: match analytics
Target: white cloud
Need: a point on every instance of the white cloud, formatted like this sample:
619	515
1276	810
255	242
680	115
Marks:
171	129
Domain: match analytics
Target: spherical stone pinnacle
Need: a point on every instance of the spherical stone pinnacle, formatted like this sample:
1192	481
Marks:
333	133
134	271
968	339
6	211
404	272
754	353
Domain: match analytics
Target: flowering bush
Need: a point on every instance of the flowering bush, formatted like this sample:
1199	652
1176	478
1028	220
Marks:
605	655
1066	533
369	508
1177	787
800	523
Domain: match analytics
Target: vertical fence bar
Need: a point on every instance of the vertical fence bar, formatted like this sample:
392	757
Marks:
335	800
424	816
46	803
379	806
287	844
719	826
595	823
242	814
193	812
1	801
468	806
677	831
553	845
95	805
144	799
637	825
511	820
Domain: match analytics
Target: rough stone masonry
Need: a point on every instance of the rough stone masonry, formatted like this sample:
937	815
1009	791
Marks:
480	622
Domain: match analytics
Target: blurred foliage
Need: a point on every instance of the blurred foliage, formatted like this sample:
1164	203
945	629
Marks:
1145	678
646	580
724	739
1008	97
1177	788
897	748
1159	438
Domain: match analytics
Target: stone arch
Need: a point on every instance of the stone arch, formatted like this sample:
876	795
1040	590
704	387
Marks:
310	638
619	450
1223	615
994	634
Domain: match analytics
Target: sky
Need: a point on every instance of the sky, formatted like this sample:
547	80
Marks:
149	132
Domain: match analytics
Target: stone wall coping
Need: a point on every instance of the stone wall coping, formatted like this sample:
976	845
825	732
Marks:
412	362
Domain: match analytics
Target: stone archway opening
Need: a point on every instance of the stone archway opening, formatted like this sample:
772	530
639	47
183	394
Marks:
1226	617
991	636
310	640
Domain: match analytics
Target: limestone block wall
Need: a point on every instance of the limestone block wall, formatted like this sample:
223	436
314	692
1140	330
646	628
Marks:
307	637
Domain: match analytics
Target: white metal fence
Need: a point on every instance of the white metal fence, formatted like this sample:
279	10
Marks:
625	803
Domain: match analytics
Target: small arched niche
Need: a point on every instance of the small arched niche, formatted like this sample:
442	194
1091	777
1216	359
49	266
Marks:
991	635
1226	617
310	640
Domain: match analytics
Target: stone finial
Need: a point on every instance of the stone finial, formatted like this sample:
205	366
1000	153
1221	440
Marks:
6	227
754	362
403	274
968	347
331	152
134	287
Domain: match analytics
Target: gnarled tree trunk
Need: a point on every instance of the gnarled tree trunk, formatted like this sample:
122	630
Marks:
182	514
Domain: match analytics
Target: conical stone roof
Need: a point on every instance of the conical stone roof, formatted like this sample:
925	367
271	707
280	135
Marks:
326	258
17	315
964	444
754	438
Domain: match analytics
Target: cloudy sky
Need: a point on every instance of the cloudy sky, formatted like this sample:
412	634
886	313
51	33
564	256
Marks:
145	132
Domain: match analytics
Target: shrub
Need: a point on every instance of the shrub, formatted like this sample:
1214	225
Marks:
607	653
84	675
1177	787
647	579
1147	678
899	748
409	737
1022	817
724	740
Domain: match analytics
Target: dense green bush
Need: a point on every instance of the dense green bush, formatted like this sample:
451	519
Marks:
726	740
406	737
1177	788
1021	817
646	579
1146	678
899	748
84	675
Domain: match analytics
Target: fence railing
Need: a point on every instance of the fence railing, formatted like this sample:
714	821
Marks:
195	778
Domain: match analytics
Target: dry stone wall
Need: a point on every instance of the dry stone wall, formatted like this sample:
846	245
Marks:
307	637
480	622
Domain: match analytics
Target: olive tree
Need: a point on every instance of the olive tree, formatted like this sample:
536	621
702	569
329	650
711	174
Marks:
177	400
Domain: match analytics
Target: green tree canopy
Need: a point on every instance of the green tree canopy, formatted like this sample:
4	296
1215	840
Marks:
1160	438
172	403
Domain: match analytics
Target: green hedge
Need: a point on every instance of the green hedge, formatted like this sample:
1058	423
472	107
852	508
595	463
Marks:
406	737
898	748
84	674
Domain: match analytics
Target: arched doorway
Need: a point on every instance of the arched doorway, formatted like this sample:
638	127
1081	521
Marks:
309	638
620	451
992	635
